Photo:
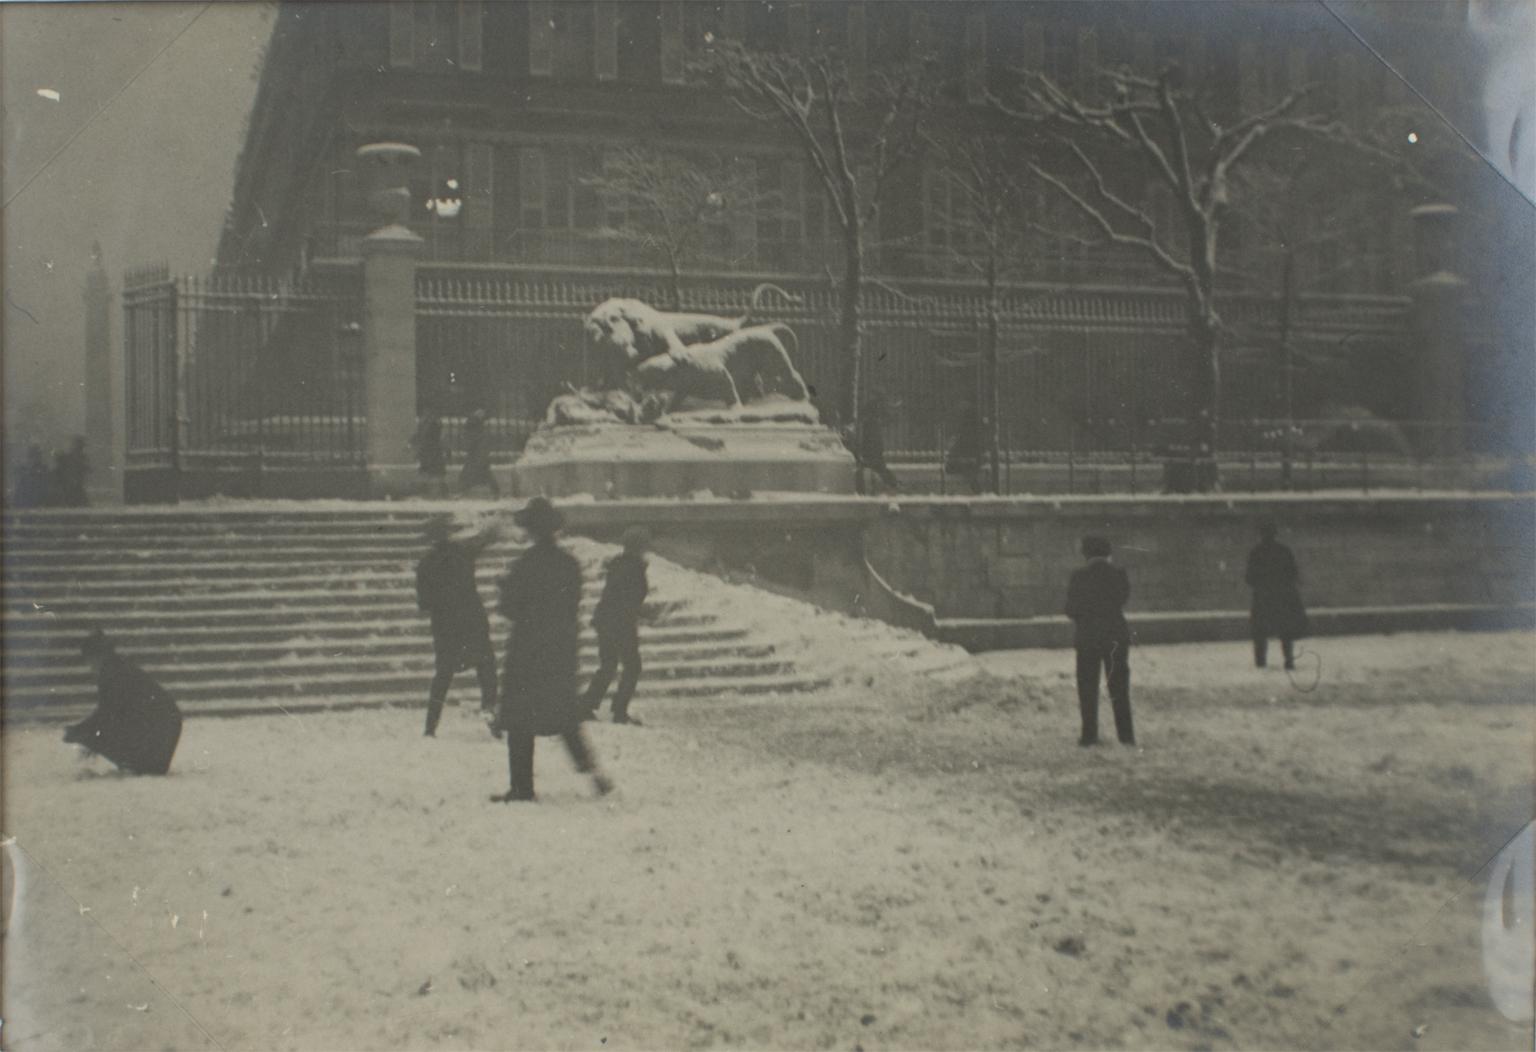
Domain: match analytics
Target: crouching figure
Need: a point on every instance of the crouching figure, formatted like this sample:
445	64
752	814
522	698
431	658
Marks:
136	724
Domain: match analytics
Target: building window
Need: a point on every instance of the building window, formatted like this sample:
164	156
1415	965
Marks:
561	39
436	37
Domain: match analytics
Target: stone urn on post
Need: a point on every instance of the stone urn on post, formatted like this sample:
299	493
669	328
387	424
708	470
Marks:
389	318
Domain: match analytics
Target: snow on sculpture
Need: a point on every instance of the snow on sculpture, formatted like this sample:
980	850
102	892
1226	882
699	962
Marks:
656	363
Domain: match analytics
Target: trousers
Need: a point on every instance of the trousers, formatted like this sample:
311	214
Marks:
1261	651
520	757
485	672
1111	659
615	648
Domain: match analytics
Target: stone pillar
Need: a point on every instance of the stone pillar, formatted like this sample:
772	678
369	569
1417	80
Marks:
103	389
1440	366
389	323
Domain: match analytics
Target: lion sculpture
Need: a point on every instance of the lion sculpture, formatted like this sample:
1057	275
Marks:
677	357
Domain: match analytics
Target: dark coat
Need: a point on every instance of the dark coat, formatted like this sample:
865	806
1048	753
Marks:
445	591
1275	580
477	455
136	724
624	592
540	598
429	447
1096	597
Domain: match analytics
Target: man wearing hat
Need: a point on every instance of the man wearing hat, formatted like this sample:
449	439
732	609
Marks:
540	598
617	620
136	724
1277	609
461	633
1096	598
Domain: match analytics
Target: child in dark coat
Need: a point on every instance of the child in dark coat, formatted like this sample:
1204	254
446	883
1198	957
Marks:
136	724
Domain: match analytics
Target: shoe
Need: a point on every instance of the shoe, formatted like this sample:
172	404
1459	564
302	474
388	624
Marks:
1128	742
590	716
632	721
1290	666
512	796
1087	741
602	783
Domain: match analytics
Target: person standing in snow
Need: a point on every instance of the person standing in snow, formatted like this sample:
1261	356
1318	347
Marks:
540	598
477	456
617	621
1277	608
136	724
1096	597
461	633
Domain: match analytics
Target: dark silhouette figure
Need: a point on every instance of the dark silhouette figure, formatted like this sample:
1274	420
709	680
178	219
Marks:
477	456
617	620
870	452
428	440
136	724
32	480
1277	608
540	597
964	459
461	633
69	470
1096	599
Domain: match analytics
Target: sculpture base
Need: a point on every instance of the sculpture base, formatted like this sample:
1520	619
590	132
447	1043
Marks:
679	459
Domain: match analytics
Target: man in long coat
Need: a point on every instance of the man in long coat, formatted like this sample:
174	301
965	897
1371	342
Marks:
461	633
136	724
617	621
1277	609
1096	597
540	598
477	456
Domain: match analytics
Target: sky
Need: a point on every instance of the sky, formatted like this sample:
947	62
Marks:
137	151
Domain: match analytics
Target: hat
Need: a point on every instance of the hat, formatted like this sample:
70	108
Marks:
96	644
539	516
1095	547
636	538
438	528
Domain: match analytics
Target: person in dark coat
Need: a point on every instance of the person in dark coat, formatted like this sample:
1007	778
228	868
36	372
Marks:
69	470
870	452
617	621
1096	597
1277	608
32	480
965	452
136	724
428	440
477	456
461	633
540	598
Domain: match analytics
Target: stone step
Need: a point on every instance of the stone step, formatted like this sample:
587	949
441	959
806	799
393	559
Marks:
272	613
416	647
217	550
381	589
318	693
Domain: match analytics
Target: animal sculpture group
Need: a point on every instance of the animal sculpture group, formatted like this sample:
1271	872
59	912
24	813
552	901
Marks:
658	362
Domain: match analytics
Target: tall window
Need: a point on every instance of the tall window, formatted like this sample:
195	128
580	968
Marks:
562	40
436	37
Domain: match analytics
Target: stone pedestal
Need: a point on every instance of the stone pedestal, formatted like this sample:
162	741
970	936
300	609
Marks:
389	358
681	459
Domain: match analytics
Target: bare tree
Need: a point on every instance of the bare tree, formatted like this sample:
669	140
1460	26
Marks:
856	136
672	204
1156	127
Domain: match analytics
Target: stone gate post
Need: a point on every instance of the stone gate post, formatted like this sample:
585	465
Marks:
104	380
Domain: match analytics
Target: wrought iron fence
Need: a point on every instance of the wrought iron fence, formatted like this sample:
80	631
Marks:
243	371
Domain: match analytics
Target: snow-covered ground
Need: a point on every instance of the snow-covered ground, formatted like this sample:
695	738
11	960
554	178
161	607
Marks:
902	860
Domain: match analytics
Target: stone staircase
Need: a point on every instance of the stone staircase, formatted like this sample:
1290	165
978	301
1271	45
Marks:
241	611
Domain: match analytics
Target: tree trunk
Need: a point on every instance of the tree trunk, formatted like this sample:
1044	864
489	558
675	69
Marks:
1205	398
993	424
852	364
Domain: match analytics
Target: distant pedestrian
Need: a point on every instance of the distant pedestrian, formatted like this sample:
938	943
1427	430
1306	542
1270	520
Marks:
32	480
964	457
1277	608
870	451
540	598
477	456
69	470
461	633
136	724
617	620
428	440
1096	599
